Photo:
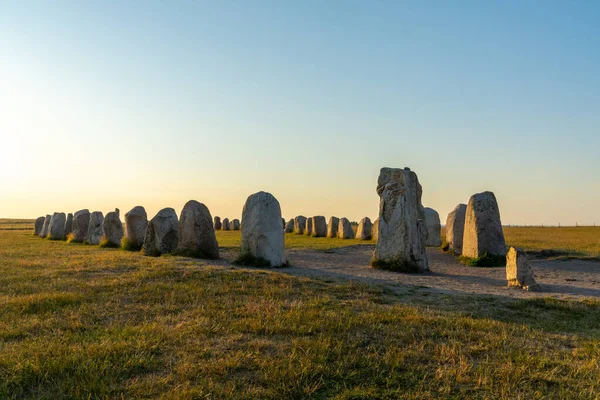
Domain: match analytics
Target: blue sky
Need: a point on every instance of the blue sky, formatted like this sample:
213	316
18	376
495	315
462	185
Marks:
109	104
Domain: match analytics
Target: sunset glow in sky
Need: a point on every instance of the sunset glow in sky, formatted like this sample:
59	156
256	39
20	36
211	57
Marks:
117	104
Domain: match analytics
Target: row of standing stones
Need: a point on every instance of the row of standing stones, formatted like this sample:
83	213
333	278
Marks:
402	231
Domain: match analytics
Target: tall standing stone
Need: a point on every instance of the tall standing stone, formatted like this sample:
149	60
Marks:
375	230
94	234
56	229
218	224
519	272
345	229
289	227
401	231
455	228
196	231
434	228
112	230
45	226
38	225
332	227
483	229
235	225
309	226
319	226
225	225
365	228
81	223
136	222
262	233
162	234
299	224
69	224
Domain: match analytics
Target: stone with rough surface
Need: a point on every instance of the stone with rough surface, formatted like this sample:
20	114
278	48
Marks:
262	233
364	231
345	229
81	222
309	226
375	230
519	272
56	229
235	225
136	222
94	233
299	224
218	224
332	227
45	226
319	226
38	225
162	234
455	228
112	230
434	228
226	226
483	229
289	227
196	231
69	224
401	233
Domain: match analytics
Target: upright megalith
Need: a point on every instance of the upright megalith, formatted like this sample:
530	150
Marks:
94	234
196	232
38	225
56	229
136	222
309	226
69	224
519	272
332	227
299	224
455	228
365	228
112	230
375	230
217	224
345	229
81	223
225	225
483	230
434	228
162	234
45	226
401	232
319	226
289	226
235	225
262	233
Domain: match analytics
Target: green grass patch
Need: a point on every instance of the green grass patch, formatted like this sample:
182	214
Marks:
485	261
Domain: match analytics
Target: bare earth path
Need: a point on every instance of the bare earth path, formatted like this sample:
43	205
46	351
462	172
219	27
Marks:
561	279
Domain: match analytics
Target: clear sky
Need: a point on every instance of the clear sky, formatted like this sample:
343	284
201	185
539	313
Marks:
108	104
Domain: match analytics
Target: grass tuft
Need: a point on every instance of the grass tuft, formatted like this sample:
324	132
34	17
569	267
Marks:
128	245
71	239
484	261
106	244
396	266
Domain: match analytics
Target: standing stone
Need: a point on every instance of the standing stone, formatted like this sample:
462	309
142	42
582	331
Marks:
81	223
299	224
94	234
235	225
345	229
196	231
401	232
455	228
69	224
319	226
483	229
262	233
375	230
218	225
136	222
226	226
56	229
112	230
38	225
364	231
332	227
309	226
434	228
45	226
289	227
162	234
519	272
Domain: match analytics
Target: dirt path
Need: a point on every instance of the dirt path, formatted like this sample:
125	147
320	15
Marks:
561	279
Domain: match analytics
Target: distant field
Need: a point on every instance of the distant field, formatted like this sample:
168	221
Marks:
16	224
83	322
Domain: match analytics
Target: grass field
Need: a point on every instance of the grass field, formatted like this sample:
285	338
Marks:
83	322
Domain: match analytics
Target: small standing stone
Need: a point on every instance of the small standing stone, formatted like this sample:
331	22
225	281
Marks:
136	222
483	229
345	229
434	228
94	234
299	224
69	224
319	226
218	224
196	231
332	227
81	223
45	226
519	272
364	231
112	230
38	225
455	228
225	225
235	225
289	227
162	234
56	229
309	226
